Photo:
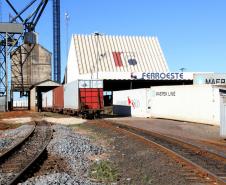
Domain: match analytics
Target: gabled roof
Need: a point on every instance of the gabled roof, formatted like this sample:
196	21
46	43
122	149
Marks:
105	53
46	83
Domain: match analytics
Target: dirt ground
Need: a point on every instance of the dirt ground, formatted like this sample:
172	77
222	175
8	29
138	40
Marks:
137	163
175	128
10	120
12	115
205	136
16	114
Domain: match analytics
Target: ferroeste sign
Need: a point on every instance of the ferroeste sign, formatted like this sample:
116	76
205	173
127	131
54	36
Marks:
210	78
158	76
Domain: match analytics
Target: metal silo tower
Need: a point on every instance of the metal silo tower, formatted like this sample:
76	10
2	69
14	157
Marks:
56	41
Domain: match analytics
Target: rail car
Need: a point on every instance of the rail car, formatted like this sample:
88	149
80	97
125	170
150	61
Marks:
82	98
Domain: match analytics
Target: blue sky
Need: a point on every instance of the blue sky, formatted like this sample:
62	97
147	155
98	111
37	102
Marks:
192	33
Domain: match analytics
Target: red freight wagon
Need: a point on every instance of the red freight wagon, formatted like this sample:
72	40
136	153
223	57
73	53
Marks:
58	99
84	97
91	98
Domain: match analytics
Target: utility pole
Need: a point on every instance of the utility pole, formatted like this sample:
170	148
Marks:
97	34
67	19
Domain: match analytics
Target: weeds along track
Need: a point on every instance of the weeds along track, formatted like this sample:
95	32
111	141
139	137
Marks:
199	165
15	162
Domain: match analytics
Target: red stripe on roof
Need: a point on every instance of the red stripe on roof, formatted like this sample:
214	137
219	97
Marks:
117	59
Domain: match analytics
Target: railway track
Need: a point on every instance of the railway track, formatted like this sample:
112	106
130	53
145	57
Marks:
199	166
6	150
16	161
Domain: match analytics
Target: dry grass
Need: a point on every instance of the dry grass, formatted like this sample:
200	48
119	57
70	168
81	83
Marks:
104	171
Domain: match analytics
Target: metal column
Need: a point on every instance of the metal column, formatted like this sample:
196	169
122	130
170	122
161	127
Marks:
56	42
10	34
6	71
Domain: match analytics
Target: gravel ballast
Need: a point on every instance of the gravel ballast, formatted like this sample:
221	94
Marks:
10	137
76	150
57	178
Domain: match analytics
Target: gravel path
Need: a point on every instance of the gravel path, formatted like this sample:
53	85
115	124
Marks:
10	137
65	121
75	149
17	120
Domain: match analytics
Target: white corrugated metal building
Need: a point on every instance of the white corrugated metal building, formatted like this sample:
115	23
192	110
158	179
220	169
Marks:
113	57
123	62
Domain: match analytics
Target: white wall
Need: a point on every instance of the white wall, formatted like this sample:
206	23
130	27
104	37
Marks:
71	97
33	100
44	100
20	103
223	117
135	102
193	103
188	103
72	64
49	99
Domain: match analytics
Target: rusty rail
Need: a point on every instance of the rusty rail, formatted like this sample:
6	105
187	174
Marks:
17	162
159	141
12	148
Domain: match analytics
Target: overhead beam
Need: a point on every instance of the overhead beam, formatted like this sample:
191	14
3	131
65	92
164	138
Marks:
14	10
14	28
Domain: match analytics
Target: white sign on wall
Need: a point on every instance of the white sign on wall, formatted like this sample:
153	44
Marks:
210	78
159	76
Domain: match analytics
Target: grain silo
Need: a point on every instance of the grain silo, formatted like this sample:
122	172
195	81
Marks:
31	64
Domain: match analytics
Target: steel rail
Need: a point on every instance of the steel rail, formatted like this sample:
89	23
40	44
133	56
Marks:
175	140
16	162
12	148
197	169
20	174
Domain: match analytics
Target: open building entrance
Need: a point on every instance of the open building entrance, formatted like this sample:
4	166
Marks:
36	93
19	101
